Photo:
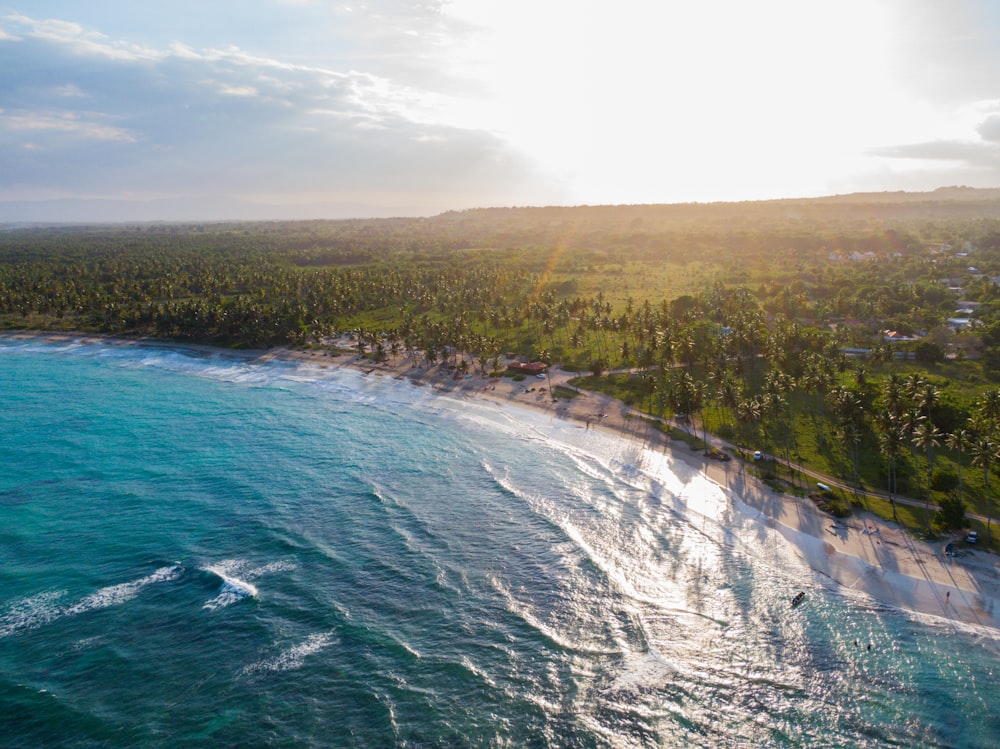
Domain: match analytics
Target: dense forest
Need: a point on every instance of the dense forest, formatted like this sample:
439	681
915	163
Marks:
857	334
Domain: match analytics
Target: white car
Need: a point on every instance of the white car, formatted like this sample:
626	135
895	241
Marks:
972	538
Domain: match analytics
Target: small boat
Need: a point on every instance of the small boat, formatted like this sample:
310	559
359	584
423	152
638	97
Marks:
798	598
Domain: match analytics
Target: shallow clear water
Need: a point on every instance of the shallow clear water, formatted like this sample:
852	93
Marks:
198	550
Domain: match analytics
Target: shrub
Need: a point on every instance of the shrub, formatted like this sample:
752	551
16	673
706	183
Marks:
927	352
944	480
598	367
726	432
952	513
838	508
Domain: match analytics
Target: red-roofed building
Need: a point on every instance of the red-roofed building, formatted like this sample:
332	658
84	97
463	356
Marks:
535	368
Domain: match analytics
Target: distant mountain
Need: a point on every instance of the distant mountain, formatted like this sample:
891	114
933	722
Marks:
954	193
944	202
864	211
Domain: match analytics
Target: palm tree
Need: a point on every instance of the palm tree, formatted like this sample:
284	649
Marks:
684	345
687	394
848	411
989	406
910	421
927	397
928	437
959	442
775	405
986	426
881	352
892	395
913	384
861	377
850	438
890	441
984	453
545	356
729	392
749	412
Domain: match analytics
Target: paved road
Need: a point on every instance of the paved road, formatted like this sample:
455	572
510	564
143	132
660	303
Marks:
559	377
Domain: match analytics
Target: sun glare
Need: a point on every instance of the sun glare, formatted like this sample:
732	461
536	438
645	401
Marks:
614	101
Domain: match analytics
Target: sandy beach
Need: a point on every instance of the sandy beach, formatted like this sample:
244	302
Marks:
863	553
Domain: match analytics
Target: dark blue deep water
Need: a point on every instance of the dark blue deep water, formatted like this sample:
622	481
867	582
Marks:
202	550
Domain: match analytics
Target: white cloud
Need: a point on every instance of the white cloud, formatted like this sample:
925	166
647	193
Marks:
81	40
84	125
969	152
228	90
230	122
473	101
989	129
69	91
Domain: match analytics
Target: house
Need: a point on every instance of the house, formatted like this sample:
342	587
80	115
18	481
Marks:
857	353
534	368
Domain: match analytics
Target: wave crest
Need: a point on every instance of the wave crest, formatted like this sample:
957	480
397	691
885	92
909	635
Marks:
38	610
294	656
236	576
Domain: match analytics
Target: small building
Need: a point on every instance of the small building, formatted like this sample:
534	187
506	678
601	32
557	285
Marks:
534	368
858	353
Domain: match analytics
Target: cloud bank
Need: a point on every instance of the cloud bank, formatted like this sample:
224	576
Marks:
329	108
87	116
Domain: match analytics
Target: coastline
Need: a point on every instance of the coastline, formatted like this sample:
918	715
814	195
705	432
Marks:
861	553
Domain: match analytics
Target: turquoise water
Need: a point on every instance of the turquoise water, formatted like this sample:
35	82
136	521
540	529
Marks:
199	550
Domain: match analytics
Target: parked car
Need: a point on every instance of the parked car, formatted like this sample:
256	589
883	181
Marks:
972	538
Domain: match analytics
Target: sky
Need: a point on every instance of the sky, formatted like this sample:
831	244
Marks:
319	108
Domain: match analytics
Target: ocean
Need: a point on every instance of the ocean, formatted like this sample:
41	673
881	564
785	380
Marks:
201	549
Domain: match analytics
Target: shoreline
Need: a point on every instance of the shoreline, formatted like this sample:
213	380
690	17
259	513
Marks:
861	553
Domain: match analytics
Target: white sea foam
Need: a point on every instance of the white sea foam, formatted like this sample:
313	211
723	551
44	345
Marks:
233	588
236	576
644	670
114	595
30	613
39	610
525	613
294	656
270	568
